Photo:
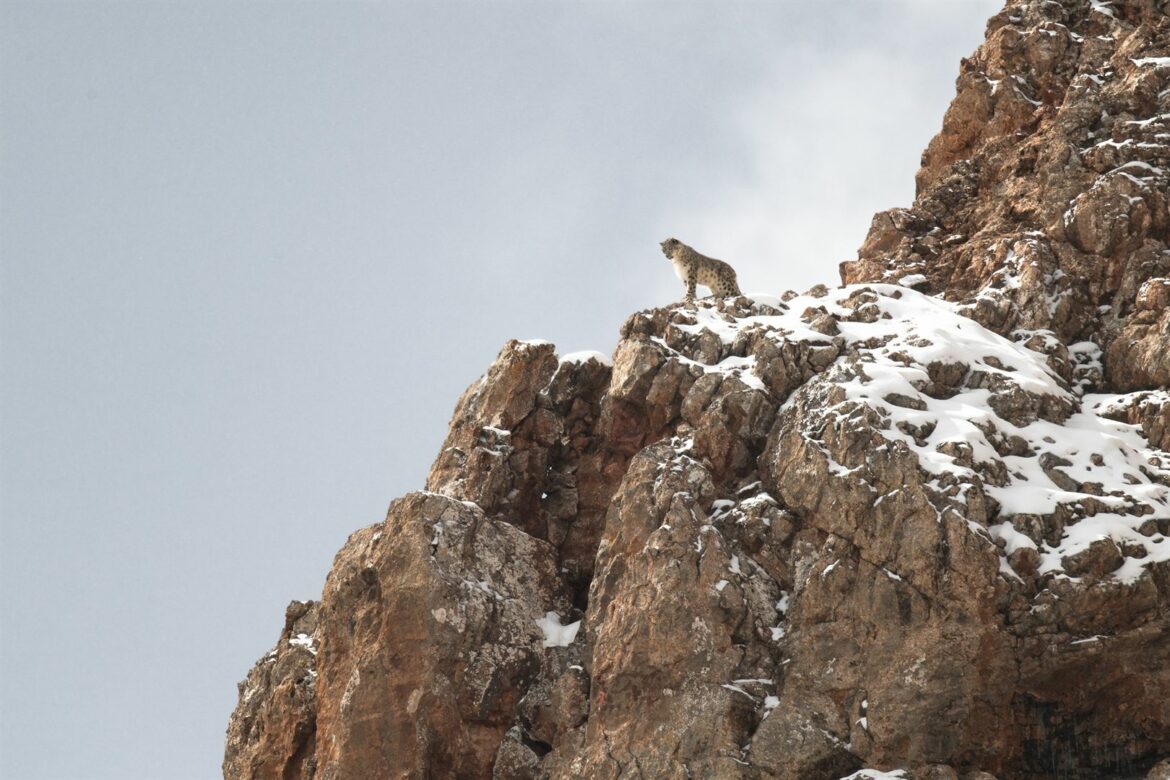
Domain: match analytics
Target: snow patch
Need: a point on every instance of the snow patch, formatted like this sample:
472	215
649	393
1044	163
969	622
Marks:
1102	7
585	356
555	634
1101	475
303	640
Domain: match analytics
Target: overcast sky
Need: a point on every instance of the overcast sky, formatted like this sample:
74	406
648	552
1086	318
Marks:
253	252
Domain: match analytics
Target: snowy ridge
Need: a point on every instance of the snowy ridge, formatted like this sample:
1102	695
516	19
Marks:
976	409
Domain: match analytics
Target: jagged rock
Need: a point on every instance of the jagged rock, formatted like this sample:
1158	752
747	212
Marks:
1150	410
877	565
531	444
663	696
1044	196
515	760
751	545
918	522
271	732
1100	558
1139	358
428	637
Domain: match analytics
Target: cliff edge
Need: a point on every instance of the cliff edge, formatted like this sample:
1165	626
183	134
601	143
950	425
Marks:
919	522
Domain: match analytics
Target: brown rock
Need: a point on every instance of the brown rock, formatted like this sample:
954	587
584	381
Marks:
429	633
515	760
1100	558
1153	296
1139	358
795	551
271	732
1052	153
552	468
939	772
674	621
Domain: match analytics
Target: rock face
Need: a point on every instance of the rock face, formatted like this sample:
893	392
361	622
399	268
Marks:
271	732
1043	203
918	522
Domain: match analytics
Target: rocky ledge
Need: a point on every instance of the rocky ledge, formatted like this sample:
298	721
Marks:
913	527
843	529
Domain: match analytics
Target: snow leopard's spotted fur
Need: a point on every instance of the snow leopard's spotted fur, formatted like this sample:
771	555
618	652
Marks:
694	268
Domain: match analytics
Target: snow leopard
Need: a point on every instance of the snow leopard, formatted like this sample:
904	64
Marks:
694	268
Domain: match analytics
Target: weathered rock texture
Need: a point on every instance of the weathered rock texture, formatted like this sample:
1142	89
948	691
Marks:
1043	203
918	522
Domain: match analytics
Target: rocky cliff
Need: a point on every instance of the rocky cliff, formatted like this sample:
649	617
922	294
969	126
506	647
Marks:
919	522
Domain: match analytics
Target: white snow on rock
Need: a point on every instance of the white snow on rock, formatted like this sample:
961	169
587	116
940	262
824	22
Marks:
1102	7
734	565
874	774
737	689
742	368
1058	457
585	356
555	634
303	640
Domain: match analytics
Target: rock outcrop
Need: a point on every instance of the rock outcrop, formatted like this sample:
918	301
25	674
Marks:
916	526
1043	203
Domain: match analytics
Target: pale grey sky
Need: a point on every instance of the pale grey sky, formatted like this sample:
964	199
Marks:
253	252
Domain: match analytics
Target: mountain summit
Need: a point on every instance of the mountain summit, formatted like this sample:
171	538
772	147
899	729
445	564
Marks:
916	526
